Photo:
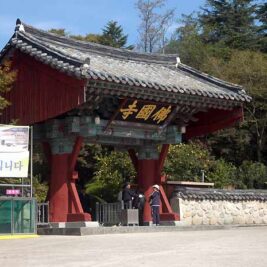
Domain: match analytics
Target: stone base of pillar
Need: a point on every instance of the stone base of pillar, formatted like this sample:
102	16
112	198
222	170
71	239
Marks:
78	217
169	217
73	224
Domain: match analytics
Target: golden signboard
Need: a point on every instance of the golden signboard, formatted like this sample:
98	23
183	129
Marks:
140	111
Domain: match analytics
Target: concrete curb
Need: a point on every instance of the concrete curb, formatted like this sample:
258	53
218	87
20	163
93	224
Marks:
134	229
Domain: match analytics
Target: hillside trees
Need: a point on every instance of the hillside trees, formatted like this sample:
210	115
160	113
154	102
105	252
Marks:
231	46
112	35
231	23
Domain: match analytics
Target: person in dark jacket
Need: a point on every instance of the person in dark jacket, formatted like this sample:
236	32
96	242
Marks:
139	203
127	196
154	201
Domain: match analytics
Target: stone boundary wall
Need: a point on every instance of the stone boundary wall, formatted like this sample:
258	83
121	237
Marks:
220	207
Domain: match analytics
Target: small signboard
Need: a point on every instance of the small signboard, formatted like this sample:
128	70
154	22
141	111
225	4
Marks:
144	112
12	192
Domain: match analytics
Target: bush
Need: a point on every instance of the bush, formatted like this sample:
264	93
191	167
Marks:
185	162
252	174
113	170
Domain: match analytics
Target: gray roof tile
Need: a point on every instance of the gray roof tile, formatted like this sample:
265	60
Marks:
121	66
219	194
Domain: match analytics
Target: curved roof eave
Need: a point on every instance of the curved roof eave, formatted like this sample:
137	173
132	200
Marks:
121	66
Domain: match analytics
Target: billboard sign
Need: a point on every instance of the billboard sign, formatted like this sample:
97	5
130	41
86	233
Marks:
14	151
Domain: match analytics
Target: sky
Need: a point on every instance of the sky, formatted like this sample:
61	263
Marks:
80	16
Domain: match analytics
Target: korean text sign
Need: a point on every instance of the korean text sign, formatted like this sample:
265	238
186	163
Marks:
14	153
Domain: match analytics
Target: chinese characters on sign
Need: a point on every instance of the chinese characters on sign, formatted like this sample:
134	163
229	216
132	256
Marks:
126	112
139	111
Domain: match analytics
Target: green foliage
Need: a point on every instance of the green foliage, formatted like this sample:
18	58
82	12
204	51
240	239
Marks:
94	38
40	189
86	163
61	32
252	174
185	162
232	144
262	28
187	43
112	35
222	174
7	78
112	170
249	69
231	23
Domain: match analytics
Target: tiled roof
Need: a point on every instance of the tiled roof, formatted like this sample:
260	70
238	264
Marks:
120	66
219	194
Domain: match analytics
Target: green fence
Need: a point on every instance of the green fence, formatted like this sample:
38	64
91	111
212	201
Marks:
17	215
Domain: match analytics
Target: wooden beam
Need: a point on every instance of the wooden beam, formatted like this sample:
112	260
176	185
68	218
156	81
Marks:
165	202
162	156
75	153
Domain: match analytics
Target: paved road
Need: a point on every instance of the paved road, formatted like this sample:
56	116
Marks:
238	247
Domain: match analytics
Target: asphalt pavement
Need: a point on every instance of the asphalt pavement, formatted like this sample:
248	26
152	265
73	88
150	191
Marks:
238	247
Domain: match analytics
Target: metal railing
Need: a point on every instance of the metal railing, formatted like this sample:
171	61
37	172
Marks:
43	213
109	213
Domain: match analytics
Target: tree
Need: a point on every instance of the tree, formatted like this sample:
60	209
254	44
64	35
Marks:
248	69
186	161
262	29
229	22
61	31
7	78
112	35
112	170
187	42
86	162
153	26
253	175
222	174
91	37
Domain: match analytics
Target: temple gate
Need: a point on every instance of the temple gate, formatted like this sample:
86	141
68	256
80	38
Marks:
76	92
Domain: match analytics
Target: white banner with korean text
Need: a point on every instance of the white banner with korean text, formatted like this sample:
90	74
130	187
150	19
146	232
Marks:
14	151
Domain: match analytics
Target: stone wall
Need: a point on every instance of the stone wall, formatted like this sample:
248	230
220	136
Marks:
218	207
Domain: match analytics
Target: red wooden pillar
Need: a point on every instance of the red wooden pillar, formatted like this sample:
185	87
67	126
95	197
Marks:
64	202
58	188
148	174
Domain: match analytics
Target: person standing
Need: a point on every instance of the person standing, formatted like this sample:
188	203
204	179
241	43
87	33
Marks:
154	201
127	196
